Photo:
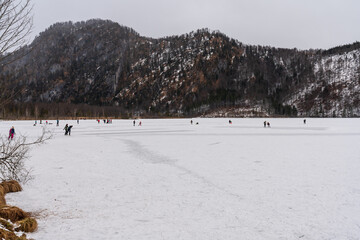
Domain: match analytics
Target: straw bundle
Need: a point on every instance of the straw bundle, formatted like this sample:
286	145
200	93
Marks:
10	214
2	200
27	225
6	224
8	187
6	235
11	186
14	214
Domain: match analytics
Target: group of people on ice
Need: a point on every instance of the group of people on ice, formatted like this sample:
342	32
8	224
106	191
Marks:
67	129
57	122
134	123
191	122
266	124
107	121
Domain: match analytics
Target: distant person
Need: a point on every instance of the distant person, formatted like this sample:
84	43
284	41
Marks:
66	128
264	123
191	122
11	133
197	123
140	123
57	122
230	122
134	122
77	121
268	124
304	121
69	129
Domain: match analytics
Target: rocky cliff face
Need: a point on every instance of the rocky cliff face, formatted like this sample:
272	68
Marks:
102	63
335	89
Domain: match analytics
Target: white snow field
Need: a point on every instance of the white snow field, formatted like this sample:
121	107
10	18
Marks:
171	180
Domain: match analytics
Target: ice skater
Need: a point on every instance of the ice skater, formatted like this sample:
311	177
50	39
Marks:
264	123
69	129
11	133
66	128
304	121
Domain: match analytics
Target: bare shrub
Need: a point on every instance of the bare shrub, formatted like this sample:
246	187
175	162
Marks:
13	154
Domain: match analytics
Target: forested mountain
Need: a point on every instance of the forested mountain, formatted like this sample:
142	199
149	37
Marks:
99	68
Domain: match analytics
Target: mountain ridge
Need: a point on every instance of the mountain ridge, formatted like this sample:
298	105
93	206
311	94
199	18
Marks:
101	63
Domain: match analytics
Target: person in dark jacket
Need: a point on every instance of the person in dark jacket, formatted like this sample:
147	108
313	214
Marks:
66	128
69	129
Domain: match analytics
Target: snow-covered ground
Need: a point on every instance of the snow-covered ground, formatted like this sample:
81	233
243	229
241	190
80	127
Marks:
171	180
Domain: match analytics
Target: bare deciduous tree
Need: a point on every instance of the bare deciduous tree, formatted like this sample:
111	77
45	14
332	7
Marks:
15	25
13	154
16	22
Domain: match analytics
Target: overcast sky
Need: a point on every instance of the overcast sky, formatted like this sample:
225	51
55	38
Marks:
303	24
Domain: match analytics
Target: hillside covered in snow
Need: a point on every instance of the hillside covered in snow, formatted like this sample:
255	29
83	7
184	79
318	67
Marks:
98	68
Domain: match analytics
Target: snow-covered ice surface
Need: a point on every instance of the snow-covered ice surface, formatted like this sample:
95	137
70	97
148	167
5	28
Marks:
171	180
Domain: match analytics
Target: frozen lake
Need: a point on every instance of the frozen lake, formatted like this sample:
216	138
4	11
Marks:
168	179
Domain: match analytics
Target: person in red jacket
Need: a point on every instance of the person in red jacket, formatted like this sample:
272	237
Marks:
11	133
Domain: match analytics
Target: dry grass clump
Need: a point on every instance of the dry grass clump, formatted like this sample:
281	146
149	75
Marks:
8	235
6	224
2	196
12	213
27	225
2	200
8	187
11	186
8	215
2	190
